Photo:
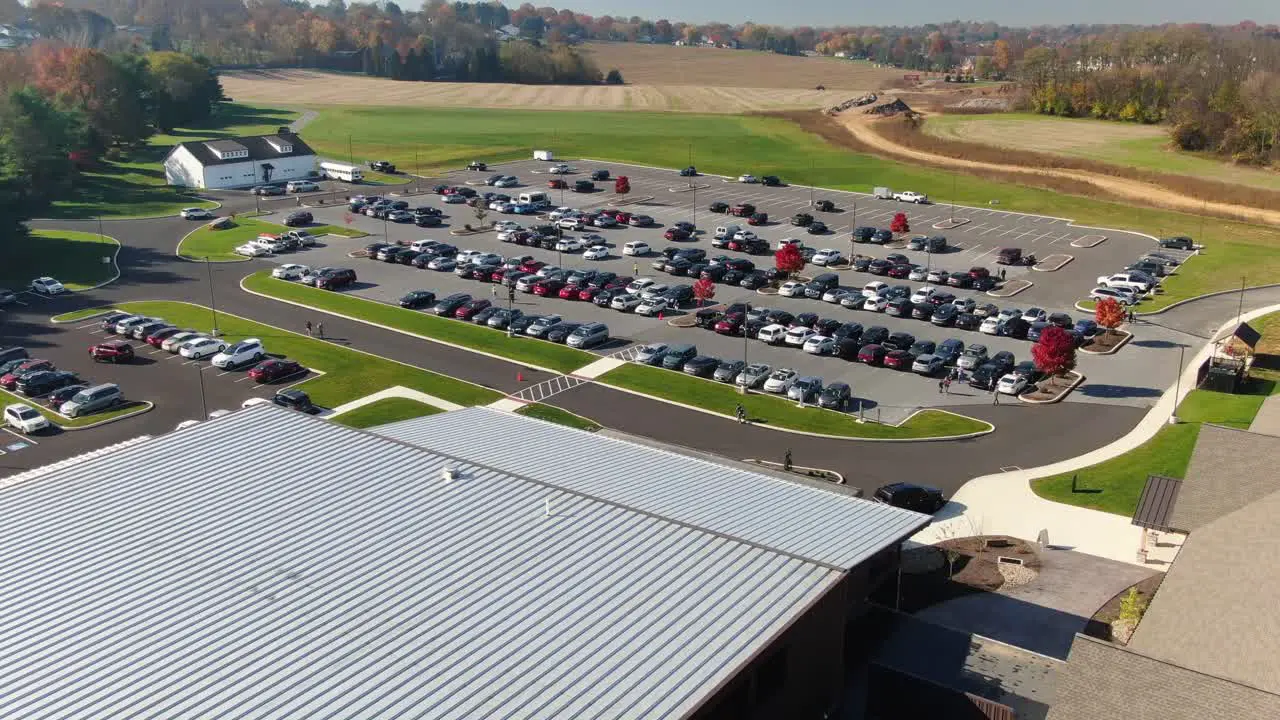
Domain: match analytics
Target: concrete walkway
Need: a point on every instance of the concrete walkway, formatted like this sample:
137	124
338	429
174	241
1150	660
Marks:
1005	504
1267	421
599	367
508	404
397	391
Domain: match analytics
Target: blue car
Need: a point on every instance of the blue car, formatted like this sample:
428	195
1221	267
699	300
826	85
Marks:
1086	328
524	209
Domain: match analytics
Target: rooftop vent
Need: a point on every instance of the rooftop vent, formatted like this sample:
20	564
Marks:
450	474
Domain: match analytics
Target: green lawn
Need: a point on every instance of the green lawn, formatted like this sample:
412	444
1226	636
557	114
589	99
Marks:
74	258
771	410
519	349
219	245
386	410
126	409
556	415
78	315
1115	485
349	374
134	185
447	138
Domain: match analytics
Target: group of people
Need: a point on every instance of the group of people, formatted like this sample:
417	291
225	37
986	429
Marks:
955	374
316	330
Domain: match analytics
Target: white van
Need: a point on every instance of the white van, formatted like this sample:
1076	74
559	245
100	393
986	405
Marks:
790	241
727	231
531	198
772	334
338	171
422	245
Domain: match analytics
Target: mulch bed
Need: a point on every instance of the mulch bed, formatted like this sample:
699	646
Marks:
1050	388
925	578
1104	341
1099	626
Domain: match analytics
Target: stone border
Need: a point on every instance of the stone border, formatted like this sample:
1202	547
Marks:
995	294
1116	348
1061	264
147	406
1088	241
951	224
840	480
1057	398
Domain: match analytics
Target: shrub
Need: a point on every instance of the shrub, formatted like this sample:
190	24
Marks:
614	77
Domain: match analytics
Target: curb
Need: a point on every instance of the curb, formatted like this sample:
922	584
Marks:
1216	293
147	407
1124	341
115	257
1057	398
1028	286
1064	263
397	330
105	309
771	464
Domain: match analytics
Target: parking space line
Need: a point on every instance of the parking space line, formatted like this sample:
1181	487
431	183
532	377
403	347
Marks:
89	325
24	438
992	229
157	351
224	372
978	257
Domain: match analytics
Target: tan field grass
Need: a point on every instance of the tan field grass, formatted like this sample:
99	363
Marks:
317	88
702	66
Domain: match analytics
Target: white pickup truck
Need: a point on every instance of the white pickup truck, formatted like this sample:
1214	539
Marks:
911	197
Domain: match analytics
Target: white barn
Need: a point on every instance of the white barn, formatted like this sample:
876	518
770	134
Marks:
239	162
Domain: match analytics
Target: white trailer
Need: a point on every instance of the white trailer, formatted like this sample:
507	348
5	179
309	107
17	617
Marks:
339	171
883	193
544	155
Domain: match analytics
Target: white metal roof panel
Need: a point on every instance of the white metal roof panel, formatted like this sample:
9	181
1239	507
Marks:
267	565
809	522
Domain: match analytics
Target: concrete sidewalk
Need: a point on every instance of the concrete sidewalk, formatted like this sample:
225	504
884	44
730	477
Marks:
397	391
1267	421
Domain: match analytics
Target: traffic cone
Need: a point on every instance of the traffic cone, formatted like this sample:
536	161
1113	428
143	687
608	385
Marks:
519	376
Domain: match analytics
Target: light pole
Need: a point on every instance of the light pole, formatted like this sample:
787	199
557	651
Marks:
204	404
1177	386
213	305
953	198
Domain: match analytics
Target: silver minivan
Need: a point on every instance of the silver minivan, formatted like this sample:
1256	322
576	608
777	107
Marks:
589	335
91	400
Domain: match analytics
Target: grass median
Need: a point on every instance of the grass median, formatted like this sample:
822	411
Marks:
128	408
773	411
520	349
349	374
220	245
384	411
73	258
558	416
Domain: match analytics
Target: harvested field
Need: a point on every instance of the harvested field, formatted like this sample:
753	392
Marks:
318	88
702	66
1143	147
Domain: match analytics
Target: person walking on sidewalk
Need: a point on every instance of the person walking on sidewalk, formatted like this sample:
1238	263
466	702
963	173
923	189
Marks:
493	290
320	330
308	328
941	385
995	396
946	386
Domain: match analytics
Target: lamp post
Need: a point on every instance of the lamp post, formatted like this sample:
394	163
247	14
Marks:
953	198
213	305
1177	386
204	404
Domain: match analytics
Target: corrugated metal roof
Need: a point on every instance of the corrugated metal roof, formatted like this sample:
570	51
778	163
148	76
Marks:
1159	497
808	522
268	565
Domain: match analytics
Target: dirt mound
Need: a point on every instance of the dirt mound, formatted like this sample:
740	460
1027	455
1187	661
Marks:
890	109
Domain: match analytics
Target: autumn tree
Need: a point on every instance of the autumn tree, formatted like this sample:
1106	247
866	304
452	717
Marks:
622	185
36	138
789	259
704	289
1055	352
1109	314
900	224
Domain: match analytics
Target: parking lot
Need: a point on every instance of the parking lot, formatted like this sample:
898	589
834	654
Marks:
893	394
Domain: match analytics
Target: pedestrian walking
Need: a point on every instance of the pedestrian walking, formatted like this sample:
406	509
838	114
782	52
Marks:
320	330
635	268
786	460
1002	271
942	384
995	396
946	386
493	290
308	328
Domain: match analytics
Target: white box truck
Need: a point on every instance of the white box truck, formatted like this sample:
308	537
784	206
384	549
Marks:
546	155
338	171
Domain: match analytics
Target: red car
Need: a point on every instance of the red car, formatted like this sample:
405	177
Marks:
497	275
900	272
619	282
744	210
9	380
871	354
979	272
114	351
532	266
589	293
758	219
898	360
731	324
557	184
273	370
623	218
466	311
570	292
157	338
676	234
547	287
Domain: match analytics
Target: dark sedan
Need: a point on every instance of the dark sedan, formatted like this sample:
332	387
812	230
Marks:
418	299
701	366
468	309
45	381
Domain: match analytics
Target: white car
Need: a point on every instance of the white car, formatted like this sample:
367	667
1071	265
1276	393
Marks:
125	326
298	186
876	304
508	181
625	302
911	197
991	326
1008	314
835	295
791	289
1125	281
592	240
1034	315
653	291
598	252
507	235
246	351
1122	296
1011	384
936	276
497	205
605	221
964	304
400	216
569	245
176	340
798	336
635	248
639	285
654	305
570	223
745	236
442	263
305	238
196	214
201	347
270	243
466	256
561	212
820	345
746	178
454	199
560	169
547	271
875	288
290	272
772	334
47	286
917	274
922	295
507	226
24	418
827	256
780	381
250	249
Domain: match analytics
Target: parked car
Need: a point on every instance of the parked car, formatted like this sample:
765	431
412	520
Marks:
1180	242
43	382
113	352
677	356
201	347
780	381
241	353
24	418
908	496
276	369
47	286
297	218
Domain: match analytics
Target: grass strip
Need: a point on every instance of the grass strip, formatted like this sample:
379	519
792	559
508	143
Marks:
79	314
384	411
773	411
126	409
556	415
519	349
349	374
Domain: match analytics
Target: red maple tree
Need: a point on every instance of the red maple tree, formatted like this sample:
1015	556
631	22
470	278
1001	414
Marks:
1109	314
704	289
622	185
1055	352
789	259
900	224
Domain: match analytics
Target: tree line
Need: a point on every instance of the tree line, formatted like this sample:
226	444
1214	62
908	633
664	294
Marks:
62	107
1217	89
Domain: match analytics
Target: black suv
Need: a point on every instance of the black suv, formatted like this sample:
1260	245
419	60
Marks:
770	181
300	217
824	206
336	279
863	234
719	207
920	498
1180	242
801	219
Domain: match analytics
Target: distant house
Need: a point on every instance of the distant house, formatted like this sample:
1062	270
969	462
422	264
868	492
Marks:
239	162
508	32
